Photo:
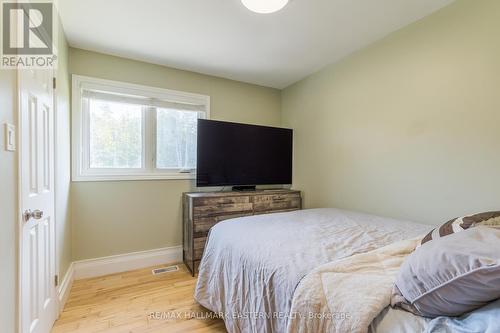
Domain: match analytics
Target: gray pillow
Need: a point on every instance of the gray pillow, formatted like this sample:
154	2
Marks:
451	275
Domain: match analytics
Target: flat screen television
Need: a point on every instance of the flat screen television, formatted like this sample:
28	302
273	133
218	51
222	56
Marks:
242	156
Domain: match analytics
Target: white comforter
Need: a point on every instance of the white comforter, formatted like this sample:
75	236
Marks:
252	265
348	294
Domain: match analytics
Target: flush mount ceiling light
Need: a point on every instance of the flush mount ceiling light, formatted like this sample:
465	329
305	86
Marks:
264	6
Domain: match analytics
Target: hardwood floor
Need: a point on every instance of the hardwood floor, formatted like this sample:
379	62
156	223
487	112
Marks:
136	302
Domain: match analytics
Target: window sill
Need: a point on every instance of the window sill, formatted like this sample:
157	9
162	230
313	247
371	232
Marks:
104	178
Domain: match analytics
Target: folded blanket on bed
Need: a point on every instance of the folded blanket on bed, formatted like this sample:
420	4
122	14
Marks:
347	294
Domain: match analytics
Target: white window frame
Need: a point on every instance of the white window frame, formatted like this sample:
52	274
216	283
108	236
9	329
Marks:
81	170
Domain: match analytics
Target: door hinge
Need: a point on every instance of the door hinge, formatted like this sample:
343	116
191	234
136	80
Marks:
54	83
56	280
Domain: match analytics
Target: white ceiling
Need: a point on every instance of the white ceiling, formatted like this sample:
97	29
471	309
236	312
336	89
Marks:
223	38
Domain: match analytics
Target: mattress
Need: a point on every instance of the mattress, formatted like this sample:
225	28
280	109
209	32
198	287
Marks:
252	265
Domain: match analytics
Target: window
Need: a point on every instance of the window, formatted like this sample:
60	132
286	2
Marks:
124	131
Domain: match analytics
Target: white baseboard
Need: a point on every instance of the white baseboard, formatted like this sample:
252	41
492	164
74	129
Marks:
65	287
126	262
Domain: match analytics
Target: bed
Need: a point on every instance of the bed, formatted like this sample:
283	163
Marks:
252	266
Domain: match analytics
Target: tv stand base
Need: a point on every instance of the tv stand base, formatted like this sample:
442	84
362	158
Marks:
246	188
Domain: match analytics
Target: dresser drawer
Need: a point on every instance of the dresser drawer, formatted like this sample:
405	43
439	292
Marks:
214	201
277	202
275	197
277	210
199	246
193	266
201	225
197	266
222	209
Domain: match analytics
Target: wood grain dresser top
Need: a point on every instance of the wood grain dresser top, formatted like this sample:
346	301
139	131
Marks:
237	193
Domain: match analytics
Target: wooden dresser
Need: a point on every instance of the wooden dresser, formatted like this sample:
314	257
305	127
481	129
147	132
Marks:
203	210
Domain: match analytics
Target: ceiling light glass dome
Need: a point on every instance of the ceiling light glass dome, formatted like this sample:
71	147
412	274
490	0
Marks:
264	6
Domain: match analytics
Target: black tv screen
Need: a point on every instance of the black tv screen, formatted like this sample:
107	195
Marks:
231	154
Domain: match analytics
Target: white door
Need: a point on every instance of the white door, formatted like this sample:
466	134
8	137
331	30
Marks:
37	268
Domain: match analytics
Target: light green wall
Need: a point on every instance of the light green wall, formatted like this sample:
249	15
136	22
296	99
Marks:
408	127
120	217
404	128
8	206
63	157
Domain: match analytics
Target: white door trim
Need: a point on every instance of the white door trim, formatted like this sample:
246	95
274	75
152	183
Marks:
56	167
65	287
19	219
